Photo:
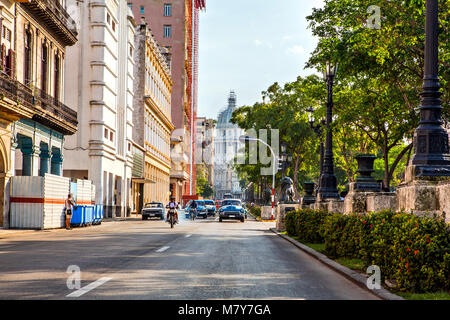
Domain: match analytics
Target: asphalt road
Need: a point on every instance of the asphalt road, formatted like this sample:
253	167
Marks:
136	259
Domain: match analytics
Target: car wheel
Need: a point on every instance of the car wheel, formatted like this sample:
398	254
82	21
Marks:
242	220
220	219
144	217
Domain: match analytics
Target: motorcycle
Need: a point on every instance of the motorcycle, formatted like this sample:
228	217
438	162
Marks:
171	219
193	214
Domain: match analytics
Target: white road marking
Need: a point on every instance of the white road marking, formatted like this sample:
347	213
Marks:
88	288
162	249
188	235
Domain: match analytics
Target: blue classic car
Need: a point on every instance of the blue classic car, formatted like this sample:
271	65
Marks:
201	209
232	209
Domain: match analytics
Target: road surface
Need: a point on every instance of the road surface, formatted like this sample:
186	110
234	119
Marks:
136	259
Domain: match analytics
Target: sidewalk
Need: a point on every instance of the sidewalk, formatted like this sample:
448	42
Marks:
7	233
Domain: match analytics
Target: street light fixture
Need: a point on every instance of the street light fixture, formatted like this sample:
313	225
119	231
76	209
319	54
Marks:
318	130
328	182
245	139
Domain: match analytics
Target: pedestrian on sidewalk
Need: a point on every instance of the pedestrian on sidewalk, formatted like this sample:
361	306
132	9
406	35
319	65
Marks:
69	203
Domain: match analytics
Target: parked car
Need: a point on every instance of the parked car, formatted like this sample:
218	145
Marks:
210	207
232	209
153	210
201	209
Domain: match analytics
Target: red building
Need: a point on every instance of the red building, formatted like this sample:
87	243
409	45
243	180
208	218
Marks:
171	22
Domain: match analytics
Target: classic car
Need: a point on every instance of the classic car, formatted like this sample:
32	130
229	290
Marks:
210	207
232	209
153	210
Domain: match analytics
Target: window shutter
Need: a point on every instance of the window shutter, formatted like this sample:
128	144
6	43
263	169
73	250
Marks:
3	57
11	63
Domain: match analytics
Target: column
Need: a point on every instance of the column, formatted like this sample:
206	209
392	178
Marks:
30	154
45	156
56	162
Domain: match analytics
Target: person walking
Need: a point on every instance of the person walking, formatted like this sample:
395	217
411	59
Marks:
68	204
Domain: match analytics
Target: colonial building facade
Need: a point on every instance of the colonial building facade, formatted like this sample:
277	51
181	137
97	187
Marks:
152	115
227	146
100	84
33	118
172	23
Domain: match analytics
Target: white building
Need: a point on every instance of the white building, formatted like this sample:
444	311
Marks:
227	146
99	82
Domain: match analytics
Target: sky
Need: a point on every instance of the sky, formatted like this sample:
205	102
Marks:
247	45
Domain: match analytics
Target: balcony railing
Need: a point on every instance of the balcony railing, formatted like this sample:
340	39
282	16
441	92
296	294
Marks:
44	108
57	18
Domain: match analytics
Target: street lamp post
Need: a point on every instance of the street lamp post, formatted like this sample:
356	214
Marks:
250	138
431	147
328	183
318	130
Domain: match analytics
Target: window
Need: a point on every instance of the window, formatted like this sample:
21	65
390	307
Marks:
108	18
57	77
111	136
106	133
167	10
167	31
142	9
113	26
131	51
44	68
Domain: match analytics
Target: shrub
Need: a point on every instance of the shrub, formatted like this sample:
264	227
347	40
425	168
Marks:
413	250
255	211
309	225
291	222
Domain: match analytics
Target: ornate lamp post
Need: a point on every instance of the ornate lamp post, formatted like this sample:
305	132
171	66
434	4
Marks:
318	130
286	159
431	147
328	183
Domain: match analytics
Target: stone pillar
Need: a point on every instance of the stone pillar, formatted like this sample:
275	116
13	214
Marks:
56	164
365	185
45	161
30	155
266	212
281	213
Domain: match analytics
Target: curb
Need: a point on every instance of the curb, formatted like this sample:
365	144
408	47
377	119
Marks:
353	276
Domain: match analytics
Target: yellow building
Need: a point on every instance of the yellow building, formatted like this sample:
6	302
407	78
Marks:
152	118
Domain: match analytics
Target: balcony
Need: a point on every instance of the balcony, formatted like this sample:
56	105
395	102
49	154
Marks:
20	102
55	17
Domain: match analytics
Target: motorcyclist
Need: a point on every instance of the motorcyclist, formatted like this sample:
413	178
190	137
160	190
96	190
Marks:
193	206
173	205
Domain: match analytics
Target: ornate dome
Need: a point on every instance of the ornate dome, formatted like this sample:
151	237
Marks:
224	118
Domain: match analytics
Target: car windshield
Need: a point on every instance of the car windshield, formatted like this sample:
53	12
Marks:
231	203
154	205
209	202
200	203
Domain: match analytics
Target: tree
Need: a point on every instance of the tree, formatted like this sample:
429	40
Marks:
381	70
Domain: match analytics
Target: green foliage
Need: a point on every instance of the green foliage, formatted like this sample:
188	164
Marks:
414	251
204	189
255	211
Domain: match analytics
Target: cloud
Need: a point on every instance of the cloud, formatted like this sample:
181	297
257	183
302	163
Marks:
295	50
263	43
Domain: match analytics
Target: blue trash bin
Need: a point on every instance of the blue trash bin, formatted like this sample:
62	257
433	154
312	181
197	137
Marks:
77	216
89	214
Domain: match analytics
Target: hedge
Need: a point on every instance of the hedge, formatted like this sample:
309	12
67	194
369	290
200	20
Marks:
414	251
255	211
